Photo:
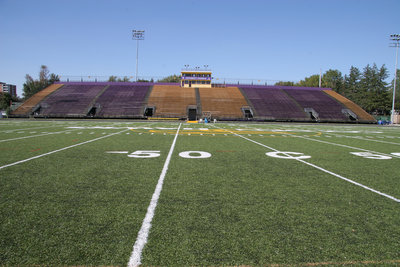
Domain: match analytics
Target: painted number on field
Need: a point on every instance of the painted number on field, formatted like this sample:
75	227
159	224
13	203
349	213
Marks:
369	155
145	154
194	154
287	155
156	153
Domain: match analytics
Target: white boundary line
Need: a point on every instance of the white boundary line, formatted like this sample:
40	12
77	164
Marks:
319	168
143	234
58	150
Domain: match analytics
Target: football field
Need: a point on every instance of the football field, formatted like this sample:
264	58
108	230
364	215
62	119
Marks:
118	193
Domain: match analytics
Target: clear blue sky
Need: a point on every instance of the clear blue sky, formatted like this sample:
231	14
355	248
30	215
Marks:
270	39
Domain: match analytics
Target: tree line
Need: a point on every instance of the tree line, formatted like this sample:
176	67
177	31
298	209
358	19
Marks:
367	87
32	86
5	101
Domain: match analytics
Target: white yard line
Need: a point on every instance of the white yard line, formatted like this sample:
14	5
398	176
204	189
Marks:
319	168
143	234
58	150
346	146
374	140
38	135
351	147
34	128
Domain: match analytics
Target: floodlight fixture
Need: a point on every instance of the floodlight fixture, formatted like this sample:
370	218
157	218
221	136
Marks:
137	35
396	39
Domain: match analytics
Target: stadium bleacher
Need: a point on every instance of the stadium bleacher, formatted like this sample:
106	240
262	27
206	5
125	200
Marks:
327	108
171	101
122	100
361	114
273	104
222	103
160	100
70	100
27	107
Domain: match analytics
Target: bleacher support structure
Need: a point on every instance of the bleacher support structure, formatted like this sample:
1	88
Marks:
144	100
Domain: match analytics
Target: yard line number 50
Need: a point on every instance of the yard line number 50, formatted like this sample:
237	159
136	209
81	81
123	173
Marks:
156	153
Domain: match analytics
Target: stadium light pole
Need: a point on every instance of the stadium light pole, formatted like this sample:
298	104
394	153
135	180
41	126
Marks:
396	39
137	35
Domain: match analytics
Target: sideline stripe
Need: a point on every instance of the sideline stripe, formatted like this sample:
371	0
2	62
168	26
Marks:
322	169
143	234
58	150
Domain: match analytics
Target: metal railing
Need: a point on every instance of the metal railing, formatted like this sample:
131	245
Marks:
155	79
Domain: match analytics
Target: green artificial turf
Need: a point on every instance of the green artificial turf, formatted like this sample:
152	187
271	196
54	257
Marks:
72	203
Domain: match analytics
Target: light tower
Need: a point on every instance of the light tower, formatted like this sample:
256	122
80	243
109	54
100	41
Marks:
396	39
137	35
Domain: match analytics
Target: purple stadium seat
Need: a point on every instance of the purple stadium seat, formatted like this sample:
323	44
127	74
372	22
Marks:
125	100
70	100
273	103
326	106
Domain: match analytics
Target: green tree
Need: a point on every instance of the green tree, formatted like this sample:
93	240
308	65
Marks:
112	78
351	85
125	79
282	83
5	100
32	86
171	79
333	79
375	96
312	81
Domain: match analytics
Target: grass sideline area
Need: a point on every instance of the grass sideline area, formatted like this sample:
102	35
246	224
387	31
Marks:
77	193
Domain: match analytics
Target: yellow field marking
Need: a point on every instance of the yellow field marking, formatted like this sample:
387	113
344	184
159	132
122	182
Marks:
162	119
317	134
214	131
